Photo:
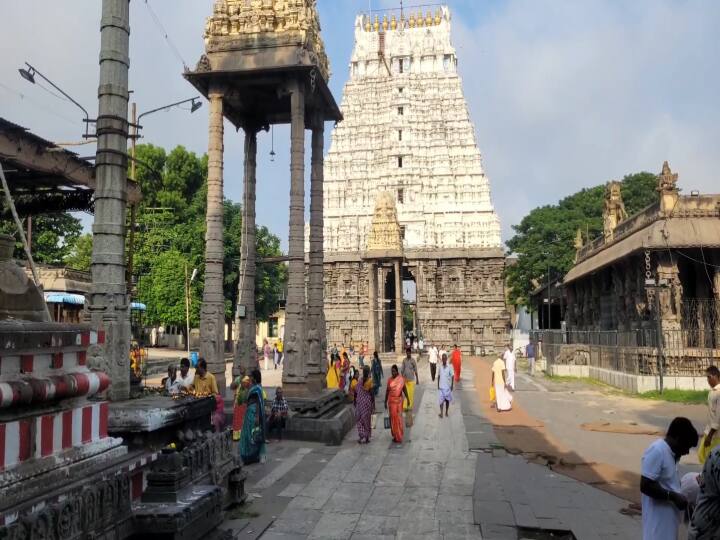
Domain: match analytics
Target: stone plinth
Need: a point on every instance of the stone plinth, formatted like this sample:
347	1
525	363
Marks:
327	417
152	422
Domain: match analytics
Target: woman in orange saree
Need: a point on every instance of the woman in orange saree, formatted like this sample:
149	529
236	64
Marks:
394	403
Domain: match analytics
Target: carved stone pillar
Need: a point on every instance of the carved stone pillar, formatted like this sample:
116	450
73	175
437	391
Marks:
109	310
294	363
212	312
399	336
245	348
316	338
372	307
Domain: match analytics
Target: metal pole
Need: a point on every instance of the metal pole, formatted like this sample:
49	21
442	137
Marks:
133	177
549	319
658	329
187	309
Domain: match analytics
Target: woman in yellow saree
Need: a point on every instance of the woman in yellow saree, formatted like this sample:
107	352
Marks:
394	403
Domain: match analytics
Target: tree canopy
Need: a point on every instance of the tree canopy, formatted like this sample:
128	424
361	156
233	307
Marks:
53	237
543	240
170	234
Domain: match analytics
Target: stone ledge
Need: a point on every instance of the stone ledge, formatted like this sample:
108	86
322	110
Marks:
330	429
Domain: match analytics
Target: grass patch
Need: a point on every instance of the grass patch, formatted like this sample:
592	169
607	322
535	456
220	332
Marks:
677	396
570	379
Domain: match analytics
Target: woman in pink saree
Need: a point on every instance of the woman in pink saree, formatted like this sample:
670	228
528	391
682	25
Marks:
394	395
364	405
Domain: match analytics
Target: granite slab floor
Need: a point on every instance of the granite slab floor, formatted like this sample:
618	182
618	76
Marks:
449	480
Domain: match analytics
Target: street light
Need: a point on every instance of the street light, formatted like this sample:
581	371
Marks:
195	105
29	75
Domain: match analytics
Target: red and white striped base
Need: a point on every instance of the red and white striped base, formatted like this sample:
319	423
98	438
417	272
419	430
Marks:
48	434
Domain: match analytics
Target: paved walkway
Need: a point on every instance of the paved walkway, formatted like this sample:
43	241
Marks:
451	479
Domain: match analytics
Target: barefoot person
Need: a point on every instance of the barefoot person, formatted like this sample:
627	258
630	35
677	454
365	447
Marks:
503	399
409	372
662	502
394	403
456	359
364	405
446	383
711	435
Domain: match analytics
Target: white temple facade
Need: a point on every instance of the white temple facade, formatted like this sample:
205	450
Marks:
407	136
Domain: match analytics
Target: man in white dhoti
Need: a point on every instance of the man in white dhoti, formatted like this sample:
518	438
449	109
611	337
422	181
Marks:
446	382
509	357
503	398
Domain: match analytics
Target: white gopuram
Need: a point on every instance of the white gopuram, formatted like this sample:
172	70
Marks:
407	139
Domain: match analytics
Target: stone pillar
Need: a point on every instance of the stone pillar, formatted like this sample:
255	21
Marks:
316	338
399	335
245	346
294	350
109	310
372	308
212	313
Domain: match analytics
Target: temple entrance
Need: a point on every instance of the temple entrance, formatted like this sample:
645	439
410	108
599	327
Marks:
389	319
410	319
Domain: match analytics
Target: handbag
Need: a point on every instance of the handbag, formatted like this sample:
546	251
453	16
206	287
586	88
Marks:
386	421
408	419
492	393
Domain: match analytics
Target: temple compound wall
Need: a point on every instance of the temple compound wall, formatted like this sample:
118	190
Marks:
643	299
406	198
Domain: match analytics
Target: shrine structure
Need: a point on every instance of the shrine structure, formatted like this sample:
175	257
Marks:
265	64
406	197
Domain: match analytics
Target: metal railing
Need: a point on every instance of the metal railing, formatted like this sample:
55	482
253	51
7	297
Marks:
634	352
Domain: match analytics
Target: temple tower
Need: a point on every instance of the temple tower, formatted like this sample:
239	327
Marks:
407	135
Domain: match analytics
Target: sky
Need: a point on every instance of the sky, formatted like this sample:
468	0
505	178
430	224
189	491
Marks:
563	94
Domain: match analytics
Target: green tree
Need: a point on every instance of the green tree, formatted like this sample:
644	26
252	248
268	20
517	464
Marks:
80	255
53	236
171	217
271	278
543	240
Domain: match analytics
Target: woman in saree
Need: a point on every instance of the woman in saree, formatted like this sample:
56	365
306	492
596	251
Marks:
252	438
241	385
332	378
377	373
503	398
394	395
344	372
364	405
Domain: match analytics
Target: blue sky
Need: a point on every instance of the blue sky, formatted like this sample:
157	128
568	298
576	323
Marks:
563	94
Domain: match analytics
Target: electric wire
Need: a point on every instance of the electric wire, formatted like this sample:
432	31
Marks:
38	104
169	41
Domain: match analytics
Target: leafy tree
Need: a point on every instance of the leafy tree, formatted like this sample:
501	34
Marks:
271	278
53	236
171	218
543	240
80	255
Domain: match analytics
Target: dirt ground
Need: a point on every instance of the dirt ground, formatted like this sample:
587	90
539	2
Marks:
522	433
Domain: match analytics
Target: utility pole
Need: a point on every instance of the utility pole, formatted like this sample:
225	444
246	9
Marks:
133	207
109	310
187	309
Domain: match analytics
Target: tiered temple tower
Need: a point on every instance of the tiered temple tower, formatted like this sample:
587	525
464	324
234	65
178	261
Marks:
407	137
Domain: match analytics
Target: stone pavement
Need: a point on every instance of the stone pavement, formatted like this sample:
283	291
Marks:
451	479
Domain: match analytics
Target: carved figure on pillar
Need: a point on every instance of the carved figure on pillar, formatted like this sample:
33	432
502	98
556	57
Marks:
614	211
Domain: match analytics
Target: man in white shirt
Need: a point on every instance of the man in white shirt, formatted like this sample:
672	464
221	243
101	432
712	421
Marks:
662	502
184	378
432	359
711	436
446	382
509	358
